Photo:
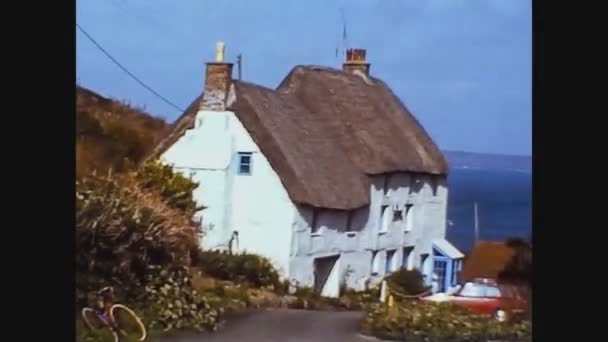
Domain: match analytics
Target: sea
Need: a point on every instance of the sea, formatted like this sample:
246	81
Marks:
503	195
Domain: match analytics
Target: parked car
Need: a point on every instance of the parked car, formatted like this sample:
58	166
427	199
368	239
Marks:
485	296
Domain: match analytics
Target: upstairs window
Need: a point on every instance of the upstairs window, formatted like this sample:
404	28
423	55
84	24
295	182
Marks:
385	219
349	221
415	183
434	184
397	215
386	185
409	217
244	163
314	222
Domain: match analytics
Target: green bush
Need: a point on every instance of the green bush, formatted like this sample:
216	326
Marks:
169	302
137	237
250	269
173	187
409	282
121	230
425	321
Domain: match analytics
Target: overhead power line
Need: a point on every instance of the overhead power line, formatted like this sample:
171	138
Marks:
125	69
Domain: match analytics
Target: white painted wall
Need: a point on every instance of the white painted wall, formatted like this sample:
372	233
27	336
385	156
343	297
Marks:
428	222
256	205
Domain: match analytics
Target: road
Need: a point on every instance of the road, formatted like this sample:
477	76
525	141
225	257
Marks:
284	326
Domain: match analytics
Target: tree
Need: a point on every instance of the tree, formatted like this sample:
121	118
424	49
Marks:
519	268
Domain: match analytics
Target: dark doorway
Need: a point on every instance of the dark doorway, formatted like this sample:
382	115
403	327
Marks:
322	270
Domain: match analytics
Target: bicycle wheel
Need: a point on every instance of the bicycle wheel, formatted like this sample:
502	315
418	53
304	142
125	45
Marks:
127	323
92	321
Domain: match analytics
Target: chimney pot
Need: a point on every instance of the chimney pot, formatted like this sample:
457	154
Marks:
219	52
356	60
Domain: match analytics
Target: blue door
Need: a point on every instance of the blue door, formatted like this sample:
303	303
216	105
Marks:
440	269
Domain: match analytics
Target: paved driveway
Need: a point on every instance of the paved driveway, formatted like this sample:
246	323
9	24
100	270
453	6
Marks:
284	326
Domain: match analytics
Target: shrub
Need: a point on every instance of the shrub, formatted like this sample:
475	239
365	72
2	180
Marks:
409	282
121	230
173	187
253	270
418	320
167	302
519	269
170	302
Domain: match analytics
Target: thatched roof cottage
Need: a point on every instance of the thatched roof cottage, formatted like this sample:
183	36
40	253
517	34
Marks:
328	175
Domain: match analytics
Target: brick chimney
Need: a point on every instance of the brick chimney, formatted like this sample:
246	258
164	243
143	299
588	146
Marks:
355	60
218	78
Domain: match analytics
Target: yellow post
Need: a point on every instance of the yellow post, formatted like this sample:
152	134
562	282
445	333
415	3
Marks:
390	301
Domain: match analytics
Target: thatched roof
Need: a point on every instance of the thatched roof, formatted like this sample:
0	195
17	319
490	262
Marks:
325	131
369	122
302	151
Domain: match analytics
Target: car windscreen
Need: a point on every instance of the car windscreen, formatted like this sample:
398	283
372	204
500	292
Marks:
479	291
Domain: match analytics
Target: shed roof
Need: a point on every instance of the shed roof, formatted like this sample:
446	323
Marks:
486	260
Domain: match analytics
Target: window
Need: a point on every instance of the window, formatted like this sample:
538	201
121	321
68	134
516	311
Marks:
455	269
472	290
407	260
477	290
492	292
387	183
349	221
375	263
415	183
384	219
390	262
397	215
244	165
413	178
434	184
314	224
409	217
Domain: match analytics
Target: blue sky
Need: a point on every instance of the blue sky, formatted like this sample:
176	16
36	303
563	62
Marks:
463	67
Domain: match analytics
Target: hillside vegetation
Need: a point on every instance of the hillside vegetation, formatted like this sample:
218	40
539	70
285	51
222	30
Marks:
112	134
134	226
